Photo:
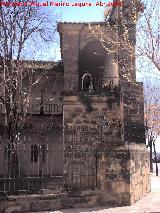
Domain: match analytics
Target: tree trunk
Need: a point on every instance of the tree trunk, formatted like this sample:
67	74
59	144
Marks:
151	161
12	159
155	154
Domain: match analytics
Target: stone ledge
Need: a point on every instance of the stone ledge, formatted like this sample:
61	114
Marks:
23	204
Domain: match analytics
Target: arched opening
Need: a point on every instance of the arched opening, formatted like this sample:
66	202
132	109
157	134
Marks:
87	82
96	67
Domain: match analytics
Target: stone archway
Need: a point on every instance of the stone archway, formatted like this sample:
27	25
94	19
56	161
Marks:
95	60
87	82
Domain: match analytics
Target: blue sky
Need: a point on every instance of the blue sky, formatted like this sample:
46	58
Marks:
74	14
81	14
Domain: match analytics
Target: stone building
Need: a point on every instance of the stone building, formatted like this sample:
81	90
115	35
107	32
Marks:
97	143
103	109
42	128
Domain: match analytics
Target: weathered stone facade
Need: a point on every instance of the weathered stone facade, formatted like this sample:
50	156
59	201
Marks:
119	155
123	178
103	158
124	174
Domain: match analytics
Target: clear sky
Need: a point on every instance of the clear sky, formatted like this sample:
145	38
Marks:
81	14
74	14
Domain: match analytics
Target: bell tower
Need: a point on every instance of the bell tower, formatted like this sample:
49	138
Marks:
103	112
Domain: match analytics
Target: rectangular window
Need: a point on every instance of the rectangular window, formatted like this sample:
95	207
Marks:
43	153
34	153
37	151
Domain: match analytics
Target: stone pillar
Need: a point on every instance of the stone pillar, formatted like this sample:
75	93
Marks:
123	175
70	50
79	150
140	173
111	68
126	63
127	41
133	110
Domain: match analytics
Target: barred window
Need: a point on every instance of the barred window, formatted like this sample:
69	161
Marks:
37	151
34	153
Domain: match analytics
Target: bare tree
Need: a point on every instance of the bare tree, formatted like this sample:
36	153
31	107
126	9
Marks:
121	22
148	36
152	115
148	62
20	28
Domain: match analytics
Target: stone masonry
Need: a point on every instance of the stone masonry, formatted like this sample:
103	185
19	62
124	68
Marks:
105	160
120	160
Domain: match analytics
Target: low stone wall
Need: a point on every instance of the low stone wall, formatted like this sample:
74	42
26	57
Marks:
51	202
102	126
140	174
114	176
124	174
123	178
27	203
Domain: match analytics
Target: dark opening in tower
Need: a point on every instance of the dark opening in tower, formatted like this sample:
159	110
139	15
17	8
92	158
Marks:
96	67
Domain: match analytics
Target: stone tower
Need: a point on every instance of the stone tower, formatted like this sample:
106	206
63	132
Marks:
103	113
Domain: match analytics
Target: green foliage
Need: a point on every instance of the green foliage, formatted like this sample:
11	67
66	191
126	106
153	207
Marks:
109	103
86	100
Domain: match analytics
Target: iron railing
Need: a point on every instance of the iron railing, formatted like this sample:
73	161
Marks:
40	163
45	109
64	158
35	167
36	108
108	85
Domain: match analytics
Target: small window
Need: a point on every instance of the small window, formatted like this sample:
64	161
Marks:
87	82
34	153
37	151
43	152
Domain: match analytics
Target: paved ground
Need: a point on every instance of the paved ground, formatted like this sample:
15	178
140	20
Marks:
149	204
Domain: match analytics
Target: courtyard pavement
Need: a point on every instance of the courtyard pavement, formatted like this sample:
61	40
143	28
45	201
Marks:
149	204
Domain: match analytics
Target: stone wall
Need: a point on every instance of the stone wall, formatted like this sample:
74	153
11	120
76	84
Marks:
114	176
87	130
124	174
74	37
27	203
133	112
122	179
140	174
94	111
